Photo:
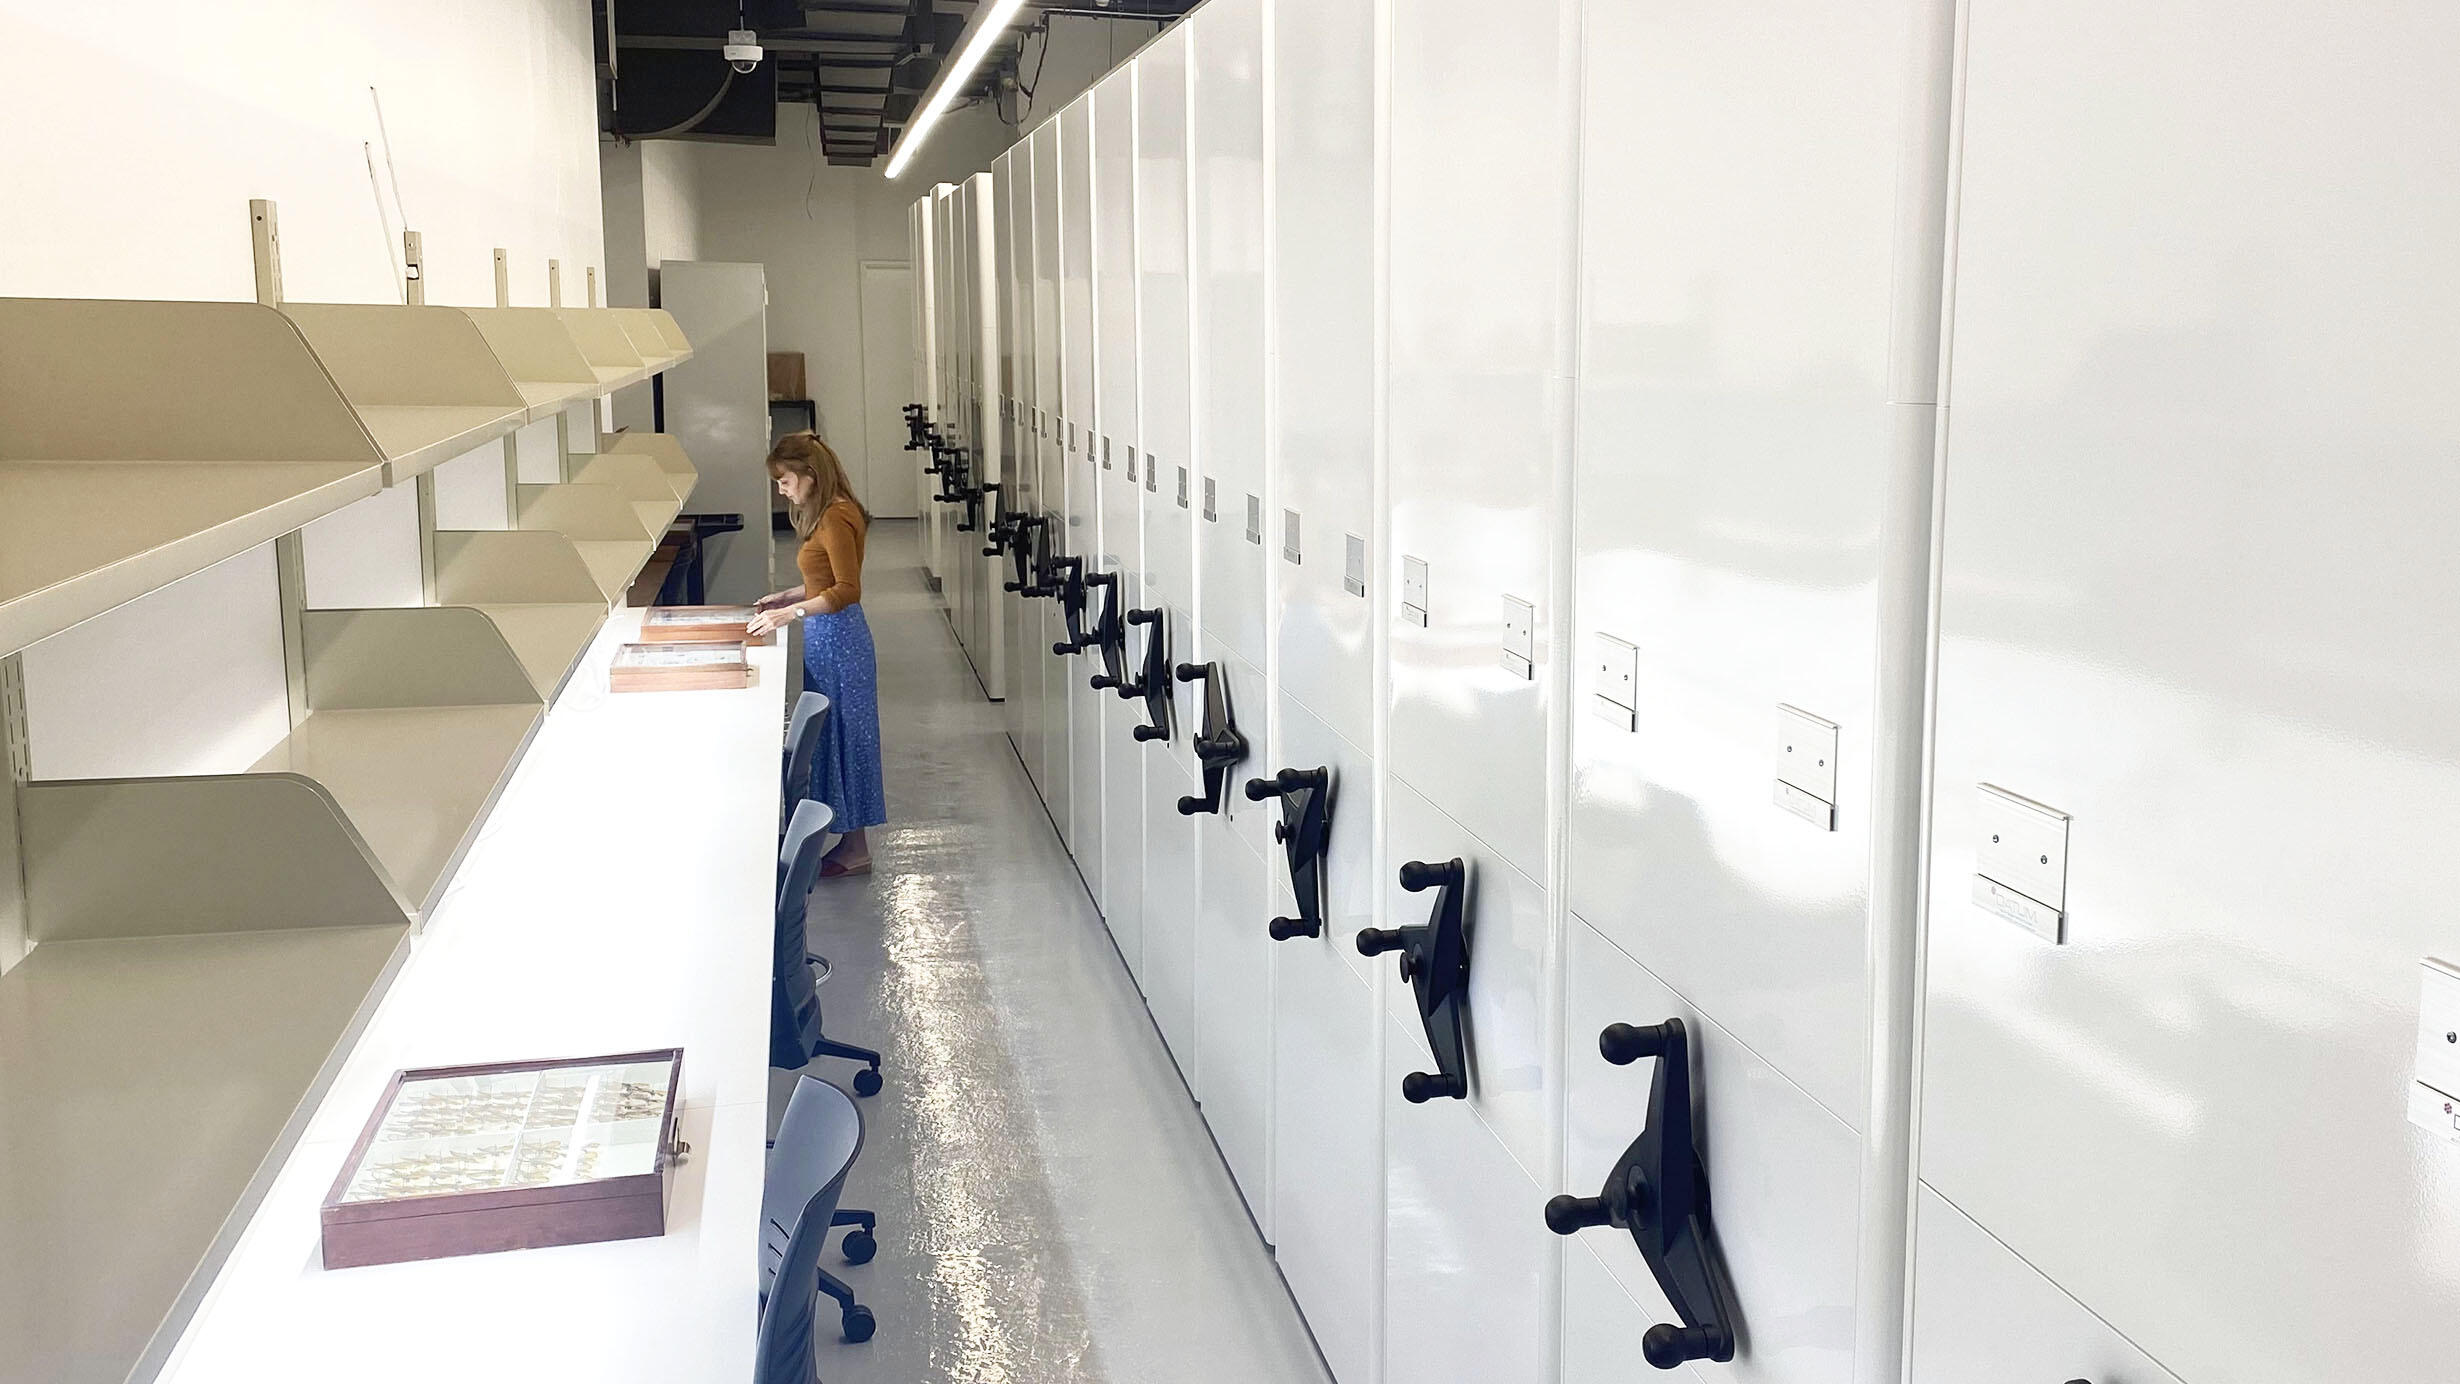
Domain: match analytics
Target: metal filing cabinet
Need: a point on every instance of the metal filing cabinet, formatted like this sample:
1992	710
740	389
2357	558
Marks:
2195	604
1327	1081
1059	675
1113	464
1227	246
1168	584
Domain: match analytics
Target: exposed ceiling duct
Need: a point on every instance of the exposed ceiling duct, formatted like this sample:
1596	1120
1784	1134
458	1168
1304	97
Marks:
863	64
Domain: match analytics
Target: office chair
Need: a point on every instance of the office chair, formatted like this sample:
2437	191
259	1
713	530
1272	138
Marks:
811	712
795	1035
816	1147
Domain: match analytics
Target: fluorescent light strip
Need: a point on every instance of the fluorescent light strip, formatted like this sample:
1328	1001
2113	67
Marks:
995	21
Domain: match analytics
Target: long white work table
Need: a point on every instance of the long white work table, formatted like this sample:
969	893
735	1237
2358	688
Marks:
617	900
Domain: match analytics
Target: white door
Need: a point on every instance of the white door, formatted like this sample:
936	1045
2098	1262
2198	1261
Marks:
888	475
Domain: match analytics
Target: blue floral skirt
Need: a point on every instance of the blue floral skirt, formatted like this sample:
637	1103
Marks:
840	664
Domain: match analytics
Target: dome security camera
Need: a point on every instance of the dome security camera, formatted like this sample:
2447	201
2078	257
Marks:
743	49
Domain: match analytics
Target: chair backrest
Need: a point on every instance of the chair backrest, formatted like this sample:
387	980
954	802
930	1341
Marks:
816	1147
811	711
798	856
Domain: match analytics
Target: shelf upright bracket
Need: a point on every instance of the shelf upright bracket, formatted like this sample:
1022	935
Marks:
512	449
264	228
414	269
289	554
563	416
591	274
414	286
16	767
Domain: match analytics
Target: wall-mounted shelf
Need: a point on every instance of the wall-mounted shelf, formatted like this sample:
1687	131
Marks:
143	441
656	335
205	951
423	380
605	344
537	350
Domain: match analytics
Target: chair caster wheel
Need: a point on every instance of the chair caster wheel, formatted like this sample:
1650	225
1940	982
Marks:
858	1324
860	1246
867	1082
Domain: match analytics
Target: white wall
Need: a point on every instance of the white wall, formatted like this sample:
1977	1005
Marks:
128	166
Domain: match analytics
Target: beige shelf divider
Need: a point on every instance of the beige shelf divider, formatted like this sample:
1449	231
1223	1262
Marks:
650	487
533	585
206	952
656	335
537	350
144	441
664	449
604	528
606	345
424	381
416	717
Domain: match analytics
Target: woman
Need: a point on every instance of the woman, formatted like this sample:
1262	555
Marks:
838	659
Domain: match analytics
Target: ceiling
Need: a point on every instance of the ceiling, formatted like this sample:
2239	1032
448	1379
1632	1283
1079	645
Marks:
865	64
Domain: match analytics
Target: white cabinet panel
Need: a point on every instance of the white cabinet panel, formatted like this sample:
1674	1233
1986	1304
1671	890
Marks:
2198	491
1027	646
1227	238
1481	196
1735	429
1327	1146
1234	1010
1168	956
1087	743
1323	441
1469	1265
1505	916
1163	340
1119	497
1977	1308
1059	677
1784	1175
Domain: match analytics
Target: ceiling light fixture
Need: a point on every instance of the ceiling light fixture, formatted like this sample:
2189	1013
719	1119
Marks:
989	23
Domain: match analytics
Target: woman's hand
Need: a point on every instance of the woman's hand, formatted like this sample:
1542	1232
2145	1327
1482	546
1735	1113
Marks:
778	598
770	618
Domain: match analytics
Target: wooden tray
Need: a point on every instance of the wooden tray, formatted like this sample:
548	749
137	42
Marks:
679	667
511	1155
700	625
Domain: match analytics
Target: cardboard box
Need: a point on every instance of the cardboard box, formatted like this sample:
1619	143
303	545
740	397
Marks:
786	379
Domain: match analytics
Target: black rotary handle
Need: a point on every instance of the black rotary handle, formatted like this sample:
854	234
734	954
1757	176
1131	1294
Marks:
1285	929
1018	528
1375	941
1418	876
1189	672
1570	1215
1145	733
1127	689
1420	1087
1624	1044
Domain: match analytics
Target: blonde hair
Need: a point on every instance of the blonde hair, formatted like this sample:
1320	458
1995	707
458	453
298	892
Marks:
804	454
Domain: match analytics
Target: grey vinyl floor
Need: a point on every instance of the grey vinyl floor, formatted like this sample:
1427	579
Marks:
1051	1207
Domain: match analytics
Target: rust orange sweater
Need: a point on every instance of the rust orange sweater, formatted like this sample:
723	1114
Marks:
832	558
